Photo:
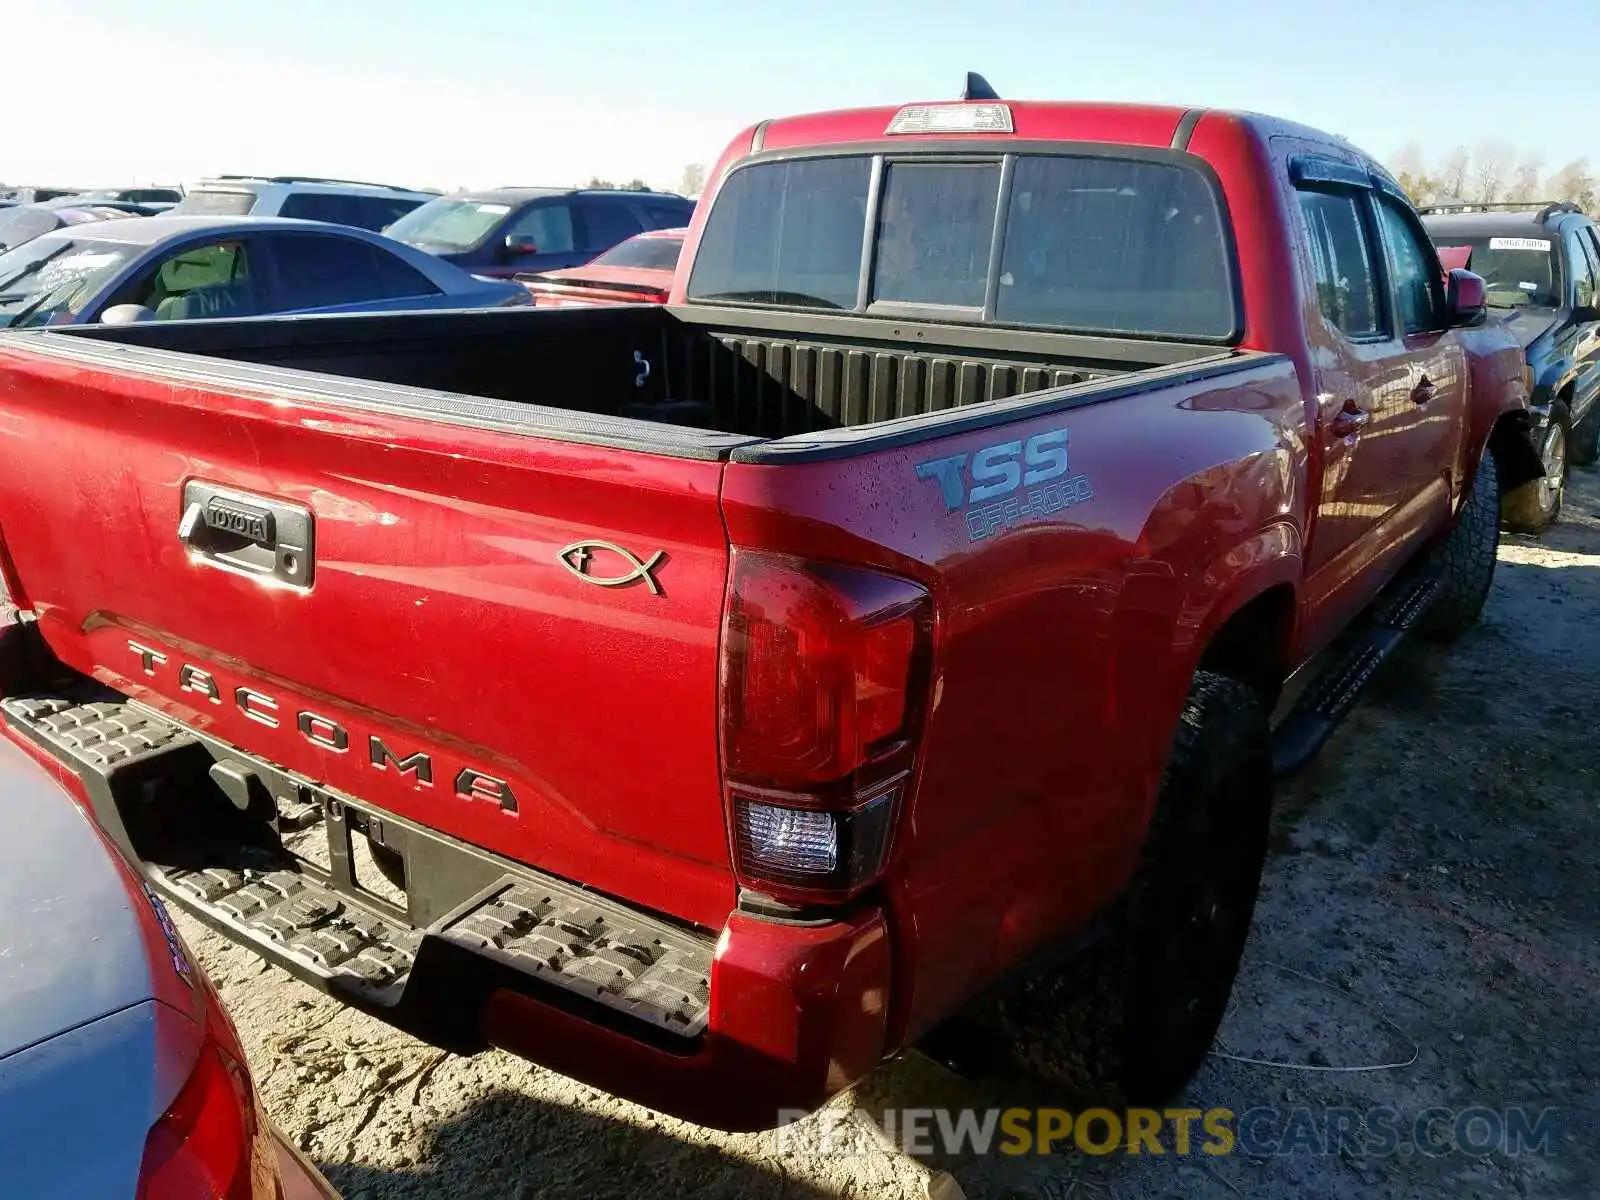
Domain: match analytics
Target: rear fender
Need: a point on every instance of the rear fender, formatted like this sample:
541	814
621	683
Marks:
1270	557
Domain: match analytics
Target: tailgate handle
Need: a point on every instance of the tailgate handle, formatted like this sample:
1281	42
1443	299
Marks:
248	534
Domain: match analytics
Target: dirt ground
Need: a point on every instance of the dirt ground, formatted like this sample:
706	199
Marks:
1428	938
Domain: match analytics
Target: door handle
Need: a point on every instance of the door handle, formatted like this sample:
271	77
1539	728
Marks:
1350	419
249	534
1424	391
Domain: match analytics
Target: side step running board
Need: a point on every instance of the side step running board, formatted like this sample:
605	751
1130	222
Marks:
1324	705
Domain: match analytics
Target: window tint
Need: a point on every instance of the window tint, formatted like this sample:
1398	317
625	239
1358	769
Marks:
214	280
604	225
395	278
1418	290
935	228
1341	262
452	223
317	272
379	212
21	225
51	276
646	253
547	226
1517	271
1583	273
361	212
1117	246
217	204
786	233
663	214
1104	245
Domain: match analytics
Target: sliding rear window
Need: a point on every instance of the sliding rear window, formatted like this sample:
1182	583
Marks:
1089	244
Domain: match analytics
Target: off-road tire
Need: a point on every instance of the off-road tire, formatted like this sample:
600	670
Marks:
1530	508
1583	449
1466	560
1129	1020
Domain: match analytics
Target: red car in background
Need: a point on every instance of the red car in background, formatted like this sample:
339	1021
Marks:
637	271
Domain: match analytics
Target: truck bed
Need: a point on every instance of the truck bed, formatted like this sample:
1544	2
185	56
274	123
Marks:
747	373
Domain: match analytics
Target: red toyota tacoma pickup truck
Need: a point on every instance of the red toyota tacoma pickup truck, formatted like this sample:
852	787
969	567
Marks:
881	639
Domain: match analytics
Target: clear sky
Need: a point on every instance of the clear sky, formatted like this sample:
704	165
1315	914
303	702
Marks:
479	92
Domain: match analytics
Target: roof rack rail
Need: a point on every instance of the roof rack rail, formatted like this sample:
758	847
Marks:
1558	206
1545	209
388	187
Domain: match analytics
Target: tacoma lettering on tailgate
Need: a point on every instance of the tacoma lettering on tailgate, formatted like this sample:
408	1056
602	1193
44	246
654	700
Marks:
324	732
998	471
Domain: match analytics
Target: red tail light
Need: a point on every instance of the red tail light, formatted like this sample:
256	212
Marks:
209	1145
202	1148
823	672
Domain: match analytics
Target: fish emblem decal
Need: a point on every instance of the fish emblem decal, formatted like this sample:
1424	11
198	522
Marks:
579	559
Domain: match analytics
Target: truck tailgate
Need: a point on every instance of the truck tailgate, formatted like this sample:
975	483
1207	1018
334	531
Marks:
509	639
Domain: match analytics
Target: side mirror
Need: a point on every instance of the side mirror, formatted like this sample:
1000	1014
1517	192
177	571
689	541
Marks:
517	245
126	314
1585	314
1468	298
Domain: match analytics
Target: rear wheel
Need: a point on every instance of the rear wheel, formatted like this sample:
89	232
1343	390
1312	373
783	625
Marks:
1534	507
1130	1019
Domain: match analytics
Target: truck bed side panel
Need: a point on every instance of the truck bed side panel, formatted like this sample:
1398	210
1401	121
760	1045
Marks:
1069	616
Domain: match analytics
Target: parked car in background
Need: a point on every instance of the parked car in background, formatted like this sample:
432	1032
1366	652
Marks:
181	268
1541	264
156	199
121	1074
24	222
336	201
636	271
515	230
36	195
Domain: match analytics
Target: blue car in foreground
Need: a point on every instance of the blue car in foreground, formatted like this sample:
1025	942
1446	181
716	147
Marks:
121	1075
168	268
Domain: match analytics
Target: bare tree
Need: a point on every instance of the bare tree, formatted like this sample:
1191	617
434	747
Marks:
693	181
1525	184
1453	173
1491	168
1575	183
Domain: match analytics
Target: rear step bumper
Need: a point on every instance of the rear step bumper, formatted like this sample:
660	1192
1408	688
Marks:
478	950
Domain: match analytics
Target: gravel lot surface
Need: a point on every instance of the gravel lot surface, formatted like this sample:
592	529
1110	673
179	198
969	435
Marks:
1431	902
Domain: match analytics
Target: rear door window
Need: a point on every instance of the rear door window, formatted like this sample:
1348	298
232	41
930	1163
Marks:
319	272
605	224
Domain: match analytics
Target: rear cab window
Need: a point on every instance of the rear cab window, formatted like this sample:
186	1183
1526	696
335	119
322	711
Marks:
1135	245
217	203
